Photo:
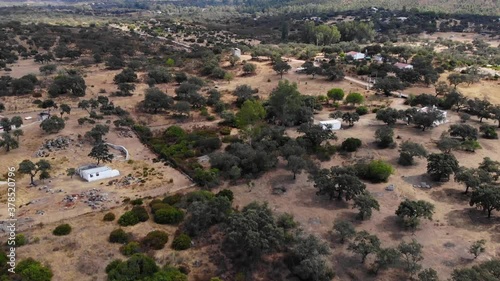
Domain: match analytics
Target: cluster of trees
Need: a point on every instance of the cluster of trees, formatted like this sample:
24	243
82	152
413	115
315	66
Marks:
331	70
11	132
125	81
255	232
319	35
17	87
407	255
344	183
27	167
420	118
179	146
69	83
26	269
142	268
483	182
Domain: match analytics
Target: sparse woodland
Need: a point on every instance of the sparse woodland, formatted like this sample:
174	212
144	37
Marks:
408	189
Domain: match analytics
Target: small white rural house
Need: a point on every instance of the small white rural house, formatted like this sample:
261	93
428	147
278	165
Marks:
401	65
332	125
436	123
95	173
356	55
236	52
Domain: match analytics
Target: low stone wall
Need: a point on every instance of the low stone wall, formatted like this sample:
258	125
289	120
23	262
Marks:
120	148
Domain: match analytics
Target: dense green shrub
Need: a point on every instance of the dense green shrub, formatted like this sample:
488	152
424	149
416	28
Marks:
199	195
130	248
109	217
181	242
159	206
351	144
172	199
226	193
128	218
362	110
62	229
489	131
155	201
137	267
143	132
155	239
20	240
118	236
375	171
169	215
32	270
141	213
225	131
286	221
137	201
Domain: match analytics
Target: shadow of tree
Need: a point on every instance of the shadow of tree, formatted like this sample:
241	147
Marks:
472	219
450	195
418	179
392	225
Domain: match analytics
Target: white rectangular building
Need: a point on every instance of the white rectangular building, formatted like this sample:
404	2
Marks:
332	125
356	55
97	173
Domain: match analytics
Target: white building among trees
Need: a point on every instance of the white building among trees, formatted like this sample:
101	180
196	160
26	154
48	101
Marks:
332	125
94	173
236	52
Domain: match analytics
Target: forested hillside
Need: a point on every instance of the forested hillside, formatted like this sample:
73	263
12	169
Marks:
490	7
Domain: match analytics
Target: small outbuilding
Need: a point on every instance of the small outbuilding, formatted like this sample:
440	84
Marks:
356	55
43	115
95	173
401	65
236	52
433	108
332	125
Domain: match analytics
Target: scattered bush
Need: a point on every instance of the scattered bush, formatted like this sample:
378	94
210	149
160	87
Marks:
128	218
156	240
362	110
109	217
226	193
489	131
62	229
130	249
351	144
118	236
20	240
199	195
375	171
141	213
169	215
181	242
137	201
28	269
286	221
225	131
172	199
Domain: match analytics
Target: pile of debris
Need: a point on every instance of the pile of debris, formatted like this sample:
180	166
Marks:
56	144
47	189
124	133
93	198
128	180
